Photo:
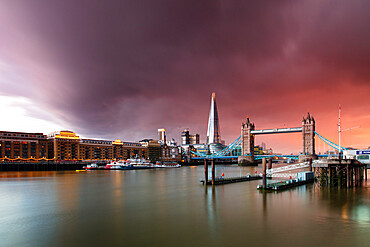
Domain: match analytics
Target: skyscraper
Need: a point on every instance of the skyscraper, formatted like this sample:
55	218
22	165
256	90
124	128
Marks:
162	135
213	131
186	138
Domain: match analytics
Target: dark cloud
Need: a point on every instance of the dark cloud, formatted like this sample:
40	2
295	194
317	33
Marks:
125	68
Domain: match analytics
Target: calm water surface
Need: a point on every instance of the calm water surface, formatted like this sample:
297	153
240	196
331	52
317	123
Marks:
169	207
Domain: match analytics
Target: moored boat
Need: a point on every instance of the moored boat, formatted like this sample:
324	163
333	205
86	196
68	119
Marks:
93	166
130	164
167	164
139	162
115	165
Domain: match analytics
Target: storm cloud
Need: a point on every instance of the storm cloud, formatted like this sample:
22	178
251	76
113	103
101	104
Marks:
123	69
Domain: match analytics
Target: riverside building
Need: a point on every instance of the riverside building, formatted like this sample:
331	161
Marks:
154	149
65	146
21	145
126	150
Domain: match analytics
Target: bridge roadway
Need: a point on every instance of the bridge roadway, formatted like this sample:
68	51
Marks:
276	131
235	157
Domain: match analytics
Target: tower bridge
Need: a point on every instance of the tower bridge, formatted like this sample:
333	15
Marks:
248	133
245	142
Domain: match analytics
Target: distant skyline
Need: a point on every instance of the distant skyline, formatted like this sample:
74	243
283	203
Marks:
123	69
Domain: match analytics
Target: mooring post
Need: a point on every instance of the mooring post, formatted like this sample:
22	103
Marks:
270	164
365	168
358	176
264	182
310	164
213	171
348	183
205	172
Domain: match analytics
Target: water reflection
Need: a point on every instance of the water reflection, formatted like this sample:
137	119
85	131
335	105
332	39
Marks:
169	207
210	203
352	204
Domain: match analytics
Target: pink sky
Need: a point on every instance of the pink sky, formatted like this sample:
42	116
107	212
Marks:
123	69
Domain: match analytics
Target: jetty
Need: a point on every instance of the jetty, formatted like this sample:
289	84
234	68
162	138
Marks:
229	180
340	172
223	180
302	179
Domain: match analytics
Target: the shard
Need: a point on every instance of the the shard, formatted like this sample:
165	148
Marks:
213	131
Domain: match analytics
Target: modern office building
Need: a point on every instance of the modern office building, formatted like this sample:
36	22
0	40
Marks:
187	138
162	135
258	150
194	139
21	145
213	131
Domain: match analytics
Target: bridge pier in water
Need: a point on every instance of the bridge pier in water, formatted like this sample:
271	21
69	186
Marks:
264	178
213	171
269	164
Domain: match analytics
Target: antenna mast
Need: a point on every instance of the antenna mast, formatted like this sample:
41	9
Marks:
339	130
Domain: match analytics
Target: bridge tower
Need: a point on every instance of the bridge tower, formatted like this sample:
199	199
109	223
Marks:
308	134
247	145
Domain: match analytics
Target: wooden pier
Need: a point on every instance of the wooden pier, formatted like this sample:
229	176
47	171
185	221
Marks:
222	180
340	172
230	180
283	185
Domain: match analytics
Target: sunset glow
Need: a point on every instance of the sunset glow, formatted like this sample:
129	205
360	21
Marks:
122	70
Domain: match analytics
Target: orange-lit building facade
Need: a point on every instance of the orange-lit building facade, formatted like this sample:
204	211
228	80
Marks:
126	150
65	146
90	149
20	145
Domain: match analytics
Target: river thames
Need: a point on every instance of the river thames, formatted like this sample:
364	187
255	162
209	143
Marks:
170	207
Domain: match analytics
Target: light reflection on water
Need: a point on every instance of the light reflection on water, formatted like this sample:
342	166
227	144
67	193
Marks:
169	207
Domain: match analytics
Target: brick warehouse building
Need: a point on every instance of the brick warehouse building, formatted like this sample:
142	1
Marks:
64	146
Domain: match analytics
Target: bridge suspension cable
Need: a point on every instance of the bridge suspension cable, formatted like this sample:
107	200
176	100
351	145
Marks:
224	151
330	143
229	148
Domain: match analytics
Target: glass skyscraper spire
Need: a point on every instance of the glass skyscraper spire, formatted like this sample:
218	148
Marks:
213	131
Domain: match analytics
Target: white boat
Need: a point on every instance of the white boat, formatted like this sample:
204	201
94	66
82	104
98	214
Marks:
138	162
115	165
167	164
